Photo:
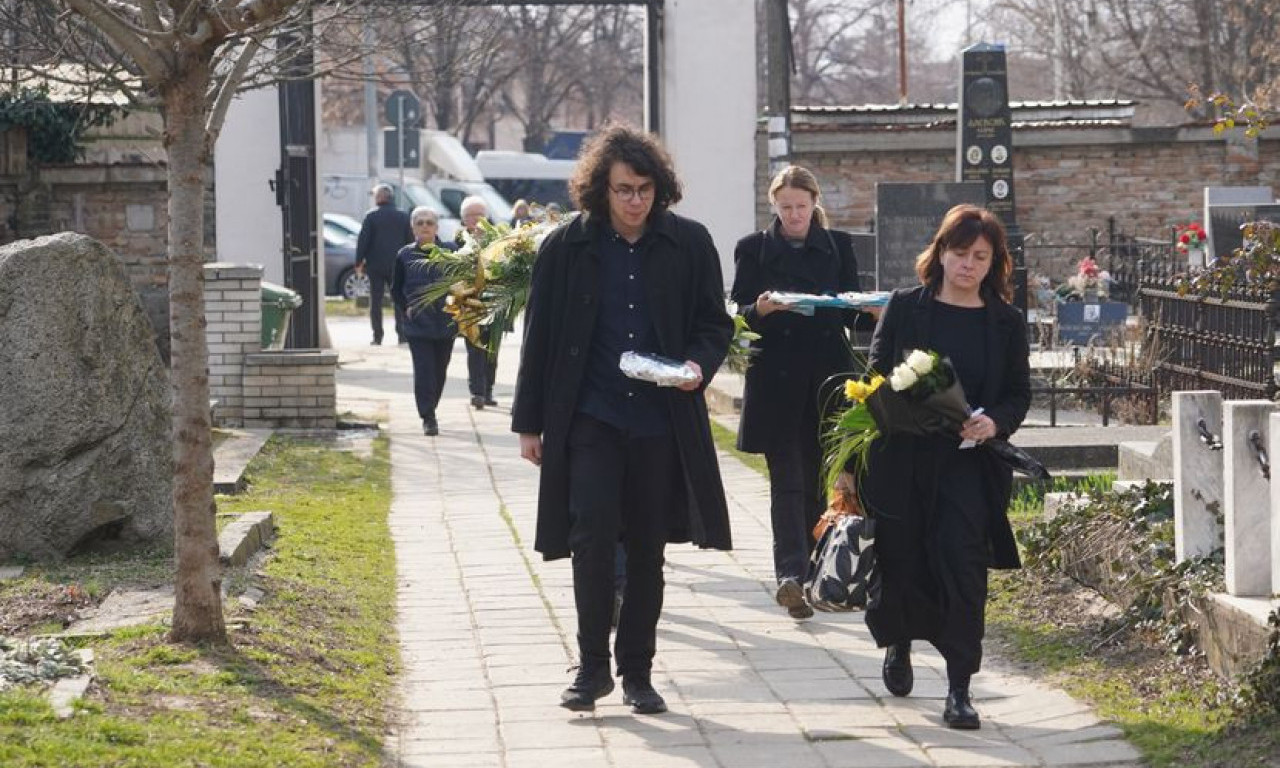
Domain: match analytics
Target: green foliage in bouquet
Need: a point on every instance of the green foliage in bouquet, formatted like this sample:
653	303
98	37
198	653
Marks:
486	282
740	350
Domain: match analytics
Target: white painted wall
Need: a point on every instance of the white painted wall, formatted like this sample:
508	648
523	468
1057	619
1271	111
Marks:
709	112
249	228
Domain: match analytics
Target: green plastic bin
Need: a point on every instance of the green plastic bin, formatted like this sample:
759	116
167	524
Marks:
278	303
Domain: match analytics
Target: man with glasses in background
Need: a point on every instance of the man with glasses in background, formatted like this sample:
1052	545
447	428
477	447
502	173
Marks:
622	460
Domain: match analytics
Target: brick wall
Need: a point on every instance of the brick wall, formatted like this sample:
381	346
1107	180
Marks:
1066	180
233	311
124	205
290	388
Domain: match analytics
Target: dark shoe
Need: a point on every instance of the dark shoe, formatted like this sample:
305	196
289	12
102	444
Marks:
638	692
489	401
430	427
899	679
589	684
959	711
477	402
376	343
791	596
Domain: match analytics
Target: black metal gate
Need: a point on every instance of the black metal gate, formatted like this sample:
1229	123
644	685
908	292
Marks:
296	191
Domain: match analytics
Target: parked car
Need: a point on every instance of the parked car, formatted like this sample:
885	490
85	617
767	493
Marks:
342	225
348	194
340	257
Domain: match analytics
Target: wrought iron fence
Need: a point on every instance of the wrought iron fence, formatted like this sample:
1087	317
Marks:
1131	260
1210	342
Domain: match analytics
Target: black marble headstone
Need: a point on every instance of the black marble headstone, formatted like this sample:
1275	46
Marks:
864	250
1225	235
984	141
907	215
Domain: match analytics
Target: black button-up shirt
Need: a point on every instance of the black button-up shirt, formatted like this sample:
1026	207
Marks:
623	324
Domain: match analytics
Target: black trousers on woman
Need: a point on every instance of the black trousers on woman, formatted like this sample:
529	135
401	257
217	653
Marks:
619	488
796	497
430	364
960	547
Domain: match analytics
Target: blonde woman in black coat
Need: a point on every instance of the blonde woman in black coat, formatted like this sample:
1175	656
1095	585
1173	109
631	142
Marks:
941	510
784	401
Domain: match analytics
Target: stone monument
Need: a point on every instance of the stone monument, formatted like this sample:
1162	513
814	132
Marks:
984	144
84	403
907	215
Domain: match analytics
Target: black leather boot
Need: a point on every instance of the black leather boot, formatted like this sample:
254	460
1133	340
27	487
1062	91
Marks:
959	711
898	676
638	691
591	683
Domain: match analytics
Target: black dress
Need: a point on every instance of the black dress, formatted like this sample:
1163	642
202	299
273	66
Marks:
958	533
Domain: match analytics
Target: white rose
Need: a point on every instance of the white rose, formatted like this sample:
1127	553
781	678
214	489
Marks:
902	378
920	362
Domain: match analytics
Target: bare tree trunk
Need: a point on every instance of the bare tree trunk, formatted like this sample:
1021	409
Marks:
197	612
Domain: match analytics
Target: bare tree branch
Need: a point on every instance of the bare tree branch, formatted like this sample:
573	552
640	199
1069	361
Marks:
123	34
227	90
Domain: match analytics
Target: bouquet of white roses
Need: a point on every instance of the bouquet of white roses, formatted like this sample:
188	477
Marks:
924	397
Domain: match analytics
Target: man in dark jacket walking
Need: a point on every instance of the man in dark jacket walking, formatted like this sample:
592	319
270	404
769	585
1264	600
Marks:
622	459
385	231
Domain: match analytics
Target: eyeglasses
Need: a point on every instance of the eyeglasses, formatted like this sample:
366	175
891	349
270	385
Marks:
426	222
627	193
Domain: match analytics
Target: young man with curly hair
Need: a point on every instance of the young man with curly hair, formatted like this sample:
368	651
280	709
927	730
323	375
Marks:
622	460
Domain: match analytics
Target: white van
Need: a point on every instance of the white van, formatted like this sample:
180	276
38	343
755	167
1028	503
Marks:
455	177
452	192
528	176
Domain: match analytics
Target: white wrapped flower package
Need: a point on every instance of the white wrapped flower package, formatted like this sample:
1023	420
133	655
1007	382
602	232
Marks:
663	371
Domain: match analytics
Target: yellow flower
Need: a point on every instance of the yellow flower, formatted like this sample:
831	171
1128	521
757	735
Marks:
859	391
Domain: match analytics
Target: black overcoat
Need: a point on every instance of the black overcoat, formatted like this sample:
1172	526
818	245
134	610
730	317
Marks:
684	287
901	481
794	353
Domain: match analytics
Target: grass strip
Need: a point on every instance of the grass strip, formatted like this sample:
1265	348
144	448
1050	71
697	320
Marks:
307	676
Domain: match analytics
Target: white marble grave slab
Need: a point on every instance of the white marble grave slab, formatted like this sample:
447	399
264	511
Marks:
1197	481
1247	496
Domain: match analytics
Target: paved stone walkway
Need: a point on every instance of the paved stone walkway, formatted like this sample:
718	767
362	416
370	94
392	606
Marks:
487	630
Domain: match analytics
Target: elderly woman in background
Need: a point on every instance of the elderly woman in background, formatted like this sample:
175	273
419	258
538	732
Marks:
428	329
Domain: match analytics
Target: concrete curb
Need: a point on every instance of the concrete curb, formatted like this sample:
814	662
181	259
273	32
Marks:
233	455
244	536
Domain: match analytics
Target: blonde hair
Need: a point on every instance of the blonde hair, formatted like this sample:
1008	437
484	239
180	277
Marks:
799	177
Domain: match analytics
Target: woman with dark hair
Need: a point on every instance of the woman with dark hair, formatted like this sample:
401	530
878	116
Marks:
940	509
785	399
622	460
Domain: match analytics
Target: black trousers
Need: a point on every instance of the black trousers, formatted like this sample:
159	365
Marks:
960	552
480	369
430	364
619	489
379	286
796	496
